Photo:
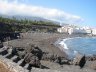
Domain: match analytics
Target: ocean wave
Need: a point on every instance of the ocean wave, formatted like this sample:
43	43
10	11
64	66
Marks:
77	45
63	44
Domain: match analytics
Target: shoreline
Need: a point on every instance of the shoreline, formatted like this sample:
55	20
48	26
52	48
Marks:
60	43
63	47
46	42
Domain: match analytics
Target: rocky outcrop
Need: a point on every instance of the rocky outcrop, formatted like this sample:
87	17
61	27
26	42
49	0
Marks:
11	66
91	58
82	62
79	60
1	44
31	55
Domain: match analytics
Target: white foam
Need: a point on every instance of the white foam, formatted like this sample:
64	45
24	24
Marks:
63	47
63	44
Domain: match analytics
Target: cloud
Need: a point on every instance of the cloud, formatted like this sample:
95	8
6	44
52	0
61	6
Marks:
14	7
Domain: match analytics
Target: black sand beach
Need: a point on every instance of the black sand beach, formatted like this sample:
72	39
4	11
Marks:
45	41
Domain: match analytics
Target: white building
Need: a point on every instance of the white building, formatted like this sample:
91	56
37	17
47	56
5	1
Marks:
70	31
93	31
82	31
74	30
62	30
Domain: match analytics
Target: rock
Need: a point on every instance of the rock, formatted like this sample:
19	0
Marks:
77	59
14	51
44	57
1	44
29	48
4	52
91	58
27	57
37	52
59	60
32	59
13	67
19	51
34	55
82	62
10	50
21	54
35	61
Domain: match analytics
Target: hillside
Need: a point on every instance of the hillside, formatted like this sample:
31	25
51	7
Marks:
22	25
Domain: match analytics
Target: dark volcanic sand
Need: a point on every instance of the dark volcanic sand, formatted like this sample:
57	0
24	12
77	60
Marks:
45	41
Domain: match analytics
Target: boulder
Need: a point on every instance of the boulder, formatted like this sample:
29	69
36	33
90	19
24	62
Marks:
79	60
21	54
14	51
27	57
35	61
59	60
10	50
37	52
33	56
82	62
32	59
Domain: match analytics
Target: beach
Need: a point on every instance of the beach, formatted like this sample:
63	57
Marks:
46	42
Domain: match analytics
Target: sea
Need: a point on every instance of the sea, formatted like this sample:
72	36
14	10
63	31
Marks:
82	45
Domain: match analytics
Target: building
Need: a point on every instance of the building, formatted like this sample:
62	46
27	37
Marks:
62	30
94	31
71	29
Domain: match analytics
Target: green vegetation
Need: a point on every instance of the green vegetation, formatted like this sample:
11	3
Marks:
25	21
23	25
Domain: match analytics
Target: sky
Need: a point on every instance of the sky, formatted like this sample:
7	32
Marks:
77	12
